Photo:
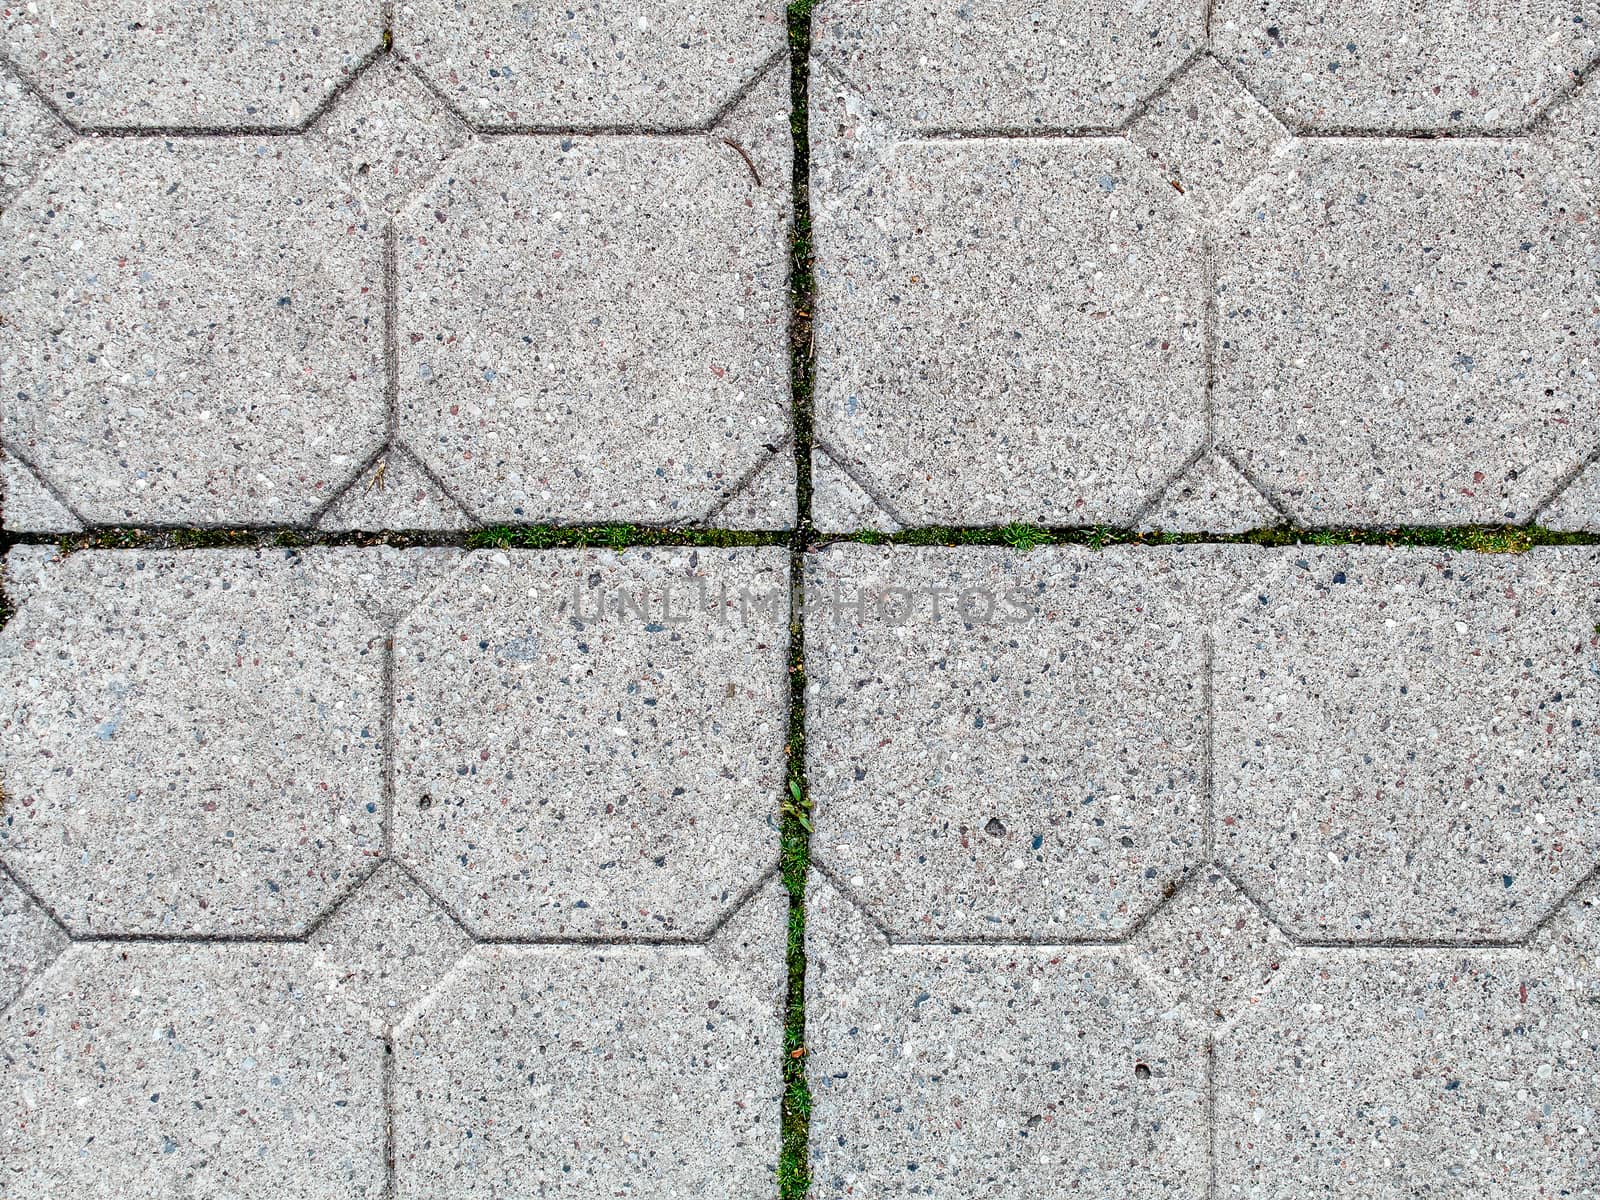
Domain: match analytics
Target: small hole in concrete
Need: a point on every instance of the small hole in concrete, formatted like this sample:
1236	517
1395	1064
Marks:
1142	1071
994	828
424	801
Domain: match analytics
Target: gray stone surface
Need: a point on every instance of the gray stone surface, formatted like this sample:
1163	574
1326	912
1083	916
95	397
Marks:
1210	497
1006	329
29	506
192	741
841	505
395	492
1014	1071
562	65
1577	507
1034	774
578	343
1404	741
996	65
145	64
138	1070
386	945
194	329
1207	134
767	501
1406	333
599	1071
1400	66
29	135
29	941
590	745
1417	1072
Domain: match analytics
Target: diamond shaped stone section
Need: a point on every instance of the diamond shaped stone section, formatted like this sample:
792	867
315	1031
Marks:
1406	65
1012	1072
29	940
1578	506
579	342
1008	746
1011	330
630	1070
564	64
1211	948
591	744
389	135
155	63
177	1070
1405	741
29	135
193	741
387	944
194	329
993	64
1406	332
1410	1073
1207	135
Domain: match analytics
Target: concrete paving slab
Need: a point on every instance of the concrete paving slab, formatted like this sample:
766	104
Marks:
1577	506
194	329
1415	1072
193	741
579	343
1009	329
136	1070
29	940
1211	497
29	134
990	65
568	1071
1010	1071
1405	331
590	745
1395	66
1010	747
268	64
651	63
1404	740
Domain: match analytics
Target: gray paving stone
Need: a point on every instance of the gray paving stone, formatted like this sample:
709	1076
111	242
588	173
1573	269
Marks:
25	568
395	492
29	506
578	343
992	64
193	741
768	501
1417	1072
564	65
1210	948
1207	134
1404	740
1211	497
599	1071
1037	774
29	941
194	329
1577	507
839	504
590	745
29	135
1406	334
268	64
1007	329
387	945
1005	1071
1401	66
130	1071
390	134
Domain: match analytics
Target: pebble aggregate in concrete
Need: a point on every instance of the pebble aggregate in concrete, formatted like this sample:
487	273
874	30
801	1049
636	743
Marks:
1398	66
578	343
138	1070
193	741
1405	740
560	65
194	329
590	745
610	1070
1029	764
1011	330
269	64
1406	331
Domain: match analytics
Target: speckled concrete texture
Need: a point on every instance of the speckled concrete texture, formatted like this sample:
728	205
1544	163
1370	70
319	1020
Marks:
920	600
